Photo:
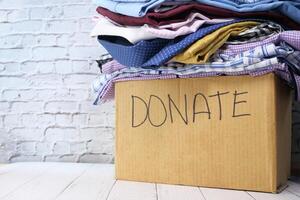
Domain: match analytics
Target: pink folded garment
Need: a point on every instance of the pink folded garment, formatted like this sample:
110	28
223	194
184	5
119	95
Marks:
108	92
135	34
193	17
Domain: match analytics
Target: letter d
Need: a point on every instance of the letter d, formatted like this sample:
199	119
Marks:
133	112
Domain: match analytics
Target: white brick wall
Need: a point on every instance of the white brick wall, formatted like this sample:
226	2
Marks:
47	61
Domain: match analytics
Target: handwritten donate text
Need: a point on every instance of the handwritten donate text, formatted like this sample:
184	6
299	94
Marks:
169	108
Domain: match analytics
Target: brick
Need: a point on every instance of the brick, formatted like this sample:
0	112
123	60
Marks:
27	94
11	68
12	121
8	5
24	158
103	134
15	94
31	40
61	94
46	80
99	146
49	53
42	94
46	40
15	55
2	67
76	1
6	143
26	107
63	119
4	157
45	119
79	94
10	95
27	148
63	40
33	3
26	134
44	148
86	25
78	148
68	158
29	120
87	106
63	67
4	107
83	39
62	158
80	79
61	134
83	52
86	67
61	106
1	126
28	40
96	158
110	120
97	119
52	158
18	15
28	67
49	12
80	66
79	119
45	67
65	94
27	26
13	82
3	15
61	148
6	29
11	41
81	11
61	26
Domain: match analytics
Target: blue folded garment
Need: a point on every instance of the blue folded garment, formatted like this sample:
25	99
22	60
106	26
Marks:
153	53
138	8
288	8
135	8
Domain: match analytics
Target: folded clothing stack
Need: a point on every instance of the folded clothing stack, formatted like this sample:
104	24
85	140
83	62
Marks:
164	39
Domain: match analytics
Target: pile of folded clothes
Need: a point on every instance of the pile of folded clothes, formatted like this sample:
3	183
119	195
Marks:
166	39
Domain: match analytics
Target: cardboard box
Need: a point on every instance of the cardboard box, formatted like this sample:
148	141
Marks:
223	132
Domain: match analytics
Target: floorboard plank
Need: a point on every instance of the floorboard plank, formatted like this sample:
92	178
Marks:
15	175
284	195
74	181
94	184
128	190
294	188
177	192
51	183
220	194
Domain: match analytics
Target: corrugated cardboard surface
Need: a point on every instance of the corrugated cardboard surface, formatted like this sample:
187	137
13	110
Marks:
181	132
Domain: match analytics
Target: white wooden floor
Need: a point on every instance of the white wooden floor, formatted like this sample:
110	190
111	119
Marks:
69	181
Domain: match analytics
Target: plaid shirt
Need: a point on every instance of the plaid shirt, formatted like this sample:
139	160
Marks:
261	59
290	37
257	33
